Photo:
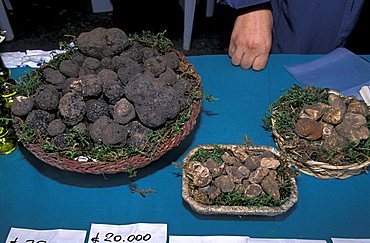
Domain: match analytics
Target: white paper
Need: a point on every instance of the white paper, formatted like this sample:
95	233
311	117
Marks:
12	59
31	58
208	239
344	240
141	232
365	94
19	235
261	240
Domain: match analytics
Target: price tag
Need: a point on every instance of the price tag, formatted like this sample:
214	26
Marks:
208	239
343	240
19	235
255	240
141	232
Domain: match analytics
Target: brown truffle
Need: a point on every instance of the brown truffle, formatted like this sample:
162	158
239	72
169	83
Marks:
308	129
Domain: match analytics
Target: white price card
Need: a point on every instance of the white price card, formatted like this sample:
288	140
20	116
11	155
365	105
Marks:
261	240
19	235
344	240
141	232
208	239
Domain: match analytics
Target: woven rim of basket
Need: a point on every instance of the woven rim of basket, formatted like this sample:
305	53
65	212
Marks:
236	210
135	162
319	169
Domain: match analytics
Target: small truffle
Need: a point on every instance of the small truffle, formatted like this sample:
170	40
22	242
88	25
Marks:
72	108
56	127
22	105
47	97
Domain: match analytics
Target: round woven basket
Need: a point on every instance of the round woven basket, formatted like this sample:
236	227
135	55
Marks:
318	169
235	210
322	170
136	161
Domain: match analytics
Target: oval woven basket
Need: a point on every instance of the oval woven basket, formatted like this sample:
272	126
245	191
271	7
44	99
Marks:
138	160
318	169
236	210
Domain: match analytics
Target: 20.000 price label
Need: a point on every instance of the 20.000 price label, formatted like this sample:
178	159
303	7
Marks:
112	237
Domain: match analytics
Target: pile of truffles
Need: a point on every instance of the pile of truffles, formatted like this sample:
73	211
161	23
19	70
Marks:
115	90
252	173
335	124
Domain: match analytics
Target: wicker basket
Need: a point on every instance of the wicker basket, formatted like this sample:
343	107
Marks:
235	210
137	161
322	170
319	169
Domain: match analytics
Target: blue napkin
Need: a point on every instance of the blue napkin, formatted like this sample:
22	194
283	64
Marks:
340	70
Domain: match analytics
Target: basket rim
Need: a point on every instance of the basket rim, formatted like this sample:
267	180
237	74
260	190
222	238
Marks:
236	210
319	169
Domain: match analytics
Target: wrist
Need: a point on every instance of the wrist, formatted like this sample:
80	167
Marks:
260	6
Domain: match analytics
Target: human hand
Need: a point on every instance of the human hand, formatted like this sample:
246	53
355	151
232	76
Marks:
251	39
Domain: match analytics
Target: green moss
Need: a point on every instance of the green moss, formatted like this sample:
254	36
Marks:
237	198
202	154
158	41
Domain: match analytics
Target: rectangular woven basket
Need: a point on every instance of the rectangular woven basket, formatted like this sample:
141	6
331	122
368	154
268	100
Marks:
235	210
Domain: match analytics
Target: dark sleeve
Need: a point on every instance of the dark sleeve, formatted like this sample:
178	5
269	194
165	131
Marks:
237	4
297	30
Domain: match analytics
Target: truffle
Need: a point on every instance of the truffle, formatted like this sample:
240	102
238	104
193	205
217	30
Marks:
96	109
101	42
47	97
38	121
22	105
72	108
308	128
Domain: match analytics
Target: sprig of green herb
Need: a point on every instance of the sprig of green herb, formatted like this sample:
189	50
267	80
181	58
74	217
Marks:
158	41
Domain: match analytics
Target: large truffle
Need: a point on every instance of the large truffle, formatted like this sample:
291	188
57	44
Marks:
155	112
101	42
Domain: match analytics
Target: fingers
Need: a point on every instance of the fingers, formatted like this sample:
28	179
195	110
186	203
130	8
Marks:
260	62
232	48
247	60
238	58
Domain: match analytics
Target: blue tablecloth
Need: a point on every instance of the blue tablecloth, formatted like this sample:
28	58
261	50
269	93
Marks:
36	195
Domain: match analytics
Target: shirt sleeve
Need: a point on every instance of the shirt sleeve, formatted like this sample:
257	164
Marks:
241	3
